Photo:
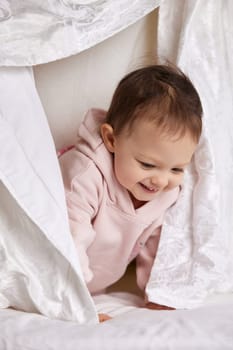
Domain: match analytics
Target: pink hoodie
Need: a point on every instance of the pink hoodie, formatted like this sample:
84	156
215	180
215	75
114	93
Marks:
107	230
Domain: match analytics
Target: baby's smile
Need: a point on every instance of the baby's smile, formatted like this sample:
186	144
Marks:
150	189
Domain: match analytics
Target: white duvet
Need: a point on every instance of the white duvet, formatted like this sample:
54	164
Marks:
34	32
195	253
207	328
39	270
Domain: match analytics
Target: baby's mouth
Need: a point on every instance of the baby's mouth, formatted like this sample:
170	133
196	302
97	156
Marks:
149	189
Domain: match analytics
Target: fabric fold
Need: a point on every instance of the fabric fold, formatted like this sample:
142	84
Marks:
194	257
40	271
34	33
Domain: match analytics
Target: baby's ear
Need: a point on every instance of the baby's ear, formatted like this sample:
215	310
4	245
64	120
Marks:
108	137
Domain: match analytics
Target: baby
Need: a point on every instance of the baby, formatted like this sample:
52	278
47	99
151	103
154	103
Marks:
126	170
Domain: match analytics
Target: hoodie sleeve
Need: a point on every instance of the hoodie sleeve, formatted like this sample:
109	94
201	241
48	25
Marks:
146	257
83	193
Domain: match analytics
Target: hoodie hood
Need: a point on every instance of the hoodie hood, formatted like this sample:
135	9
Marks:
89	138
90	143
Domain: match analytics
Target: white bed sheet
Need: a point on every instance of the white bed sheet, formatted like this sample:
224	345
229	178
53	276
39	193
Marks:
209	327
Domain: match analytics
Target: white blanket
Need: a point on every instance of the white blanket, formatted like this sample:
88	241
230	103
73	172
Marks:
39	270
34	32
195	253
208	328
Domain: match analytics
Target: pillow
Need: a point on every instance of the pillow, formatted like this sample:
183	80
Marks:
39	270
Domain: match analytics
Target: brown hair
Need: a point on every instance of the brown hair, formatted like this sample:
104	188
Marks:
160	93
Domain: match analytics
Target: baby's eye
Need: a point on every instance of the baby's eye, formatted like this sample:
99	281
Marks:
147	165
178	170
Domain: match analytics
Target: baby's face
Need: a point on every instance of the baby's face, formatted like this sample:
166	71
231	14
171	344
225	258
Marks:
147	162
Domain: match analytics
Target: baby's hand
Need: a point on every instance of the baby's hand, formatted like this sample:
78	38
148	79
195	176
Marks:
104	317
154	306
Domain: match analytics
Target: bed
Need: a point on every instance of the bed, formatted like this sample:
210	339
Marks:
207	328
48	79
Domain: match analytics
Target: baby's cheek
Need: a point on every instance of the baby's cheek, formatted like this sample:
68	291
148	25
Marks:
175	183
123	178
179	181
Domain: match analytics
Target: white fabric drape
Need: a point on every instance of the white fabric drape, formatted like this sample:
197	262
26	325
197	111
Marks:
34	32
195	253
39	267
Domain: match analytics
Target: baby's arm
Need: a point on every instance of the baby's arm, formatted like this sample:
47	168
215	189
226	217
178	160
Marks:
145	261
81	212
83	183
83	236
